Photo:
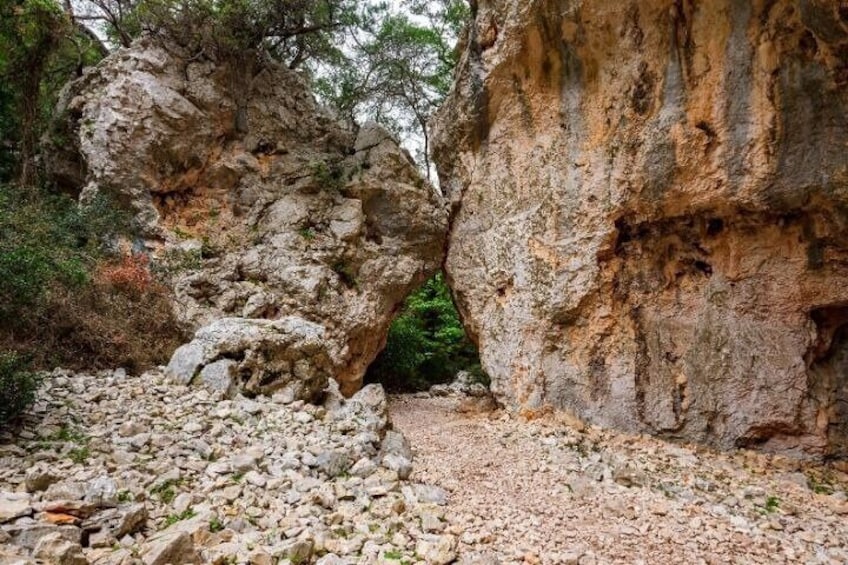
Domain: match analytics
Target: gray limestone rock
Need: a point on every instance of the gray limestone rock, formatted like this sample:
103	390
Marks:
220	376
295	218
39	479
185	363
428	494
333	463
29	534
102	492
395	442
53	549
297	551
14	505
398	463
169	548
435	549
263	356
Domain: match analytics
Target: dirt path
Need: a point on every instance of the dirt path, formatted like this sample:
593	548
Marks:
542	491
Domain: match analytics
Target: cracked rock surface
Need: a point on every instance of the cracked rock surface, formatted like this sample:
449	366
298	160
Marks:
650	214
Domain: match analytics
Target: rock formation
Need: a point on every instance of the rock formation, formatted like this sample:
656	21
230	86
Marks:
651	202
295	218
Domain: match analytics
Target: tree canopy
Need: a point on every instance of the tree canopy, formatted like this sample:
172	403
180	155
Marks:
396	67
391	62
292	31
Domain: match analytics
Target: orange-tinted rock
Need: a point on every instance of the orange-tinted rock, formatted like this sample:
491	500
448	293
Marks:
651	214
60	519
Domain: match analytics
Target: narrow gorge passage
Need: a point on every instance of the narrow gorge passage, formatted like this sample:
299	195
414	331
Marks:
544	492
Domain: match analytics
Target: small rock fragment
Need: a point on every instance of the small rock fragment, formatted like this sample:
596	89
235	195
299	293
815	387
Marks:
170	548
53	549
14	505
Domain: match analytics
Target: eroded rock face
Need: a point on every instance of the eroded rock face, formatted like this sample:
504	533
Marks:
650	203
295	217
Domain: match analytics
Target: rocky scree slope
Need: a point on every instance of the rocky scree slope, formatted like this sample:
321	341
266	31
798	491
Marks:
650	214
294	218
116	469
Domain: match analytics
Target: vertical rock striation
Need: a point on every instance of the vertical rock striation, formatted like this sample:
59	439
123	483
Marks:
651	211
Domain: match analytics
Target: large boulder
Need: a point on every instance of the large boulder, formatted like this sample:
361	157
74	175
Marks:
256	357
294	217
651	203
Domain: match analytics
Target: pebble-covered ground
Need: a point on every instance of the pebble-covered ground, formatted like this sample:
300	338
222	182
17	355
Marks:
542	491
116	469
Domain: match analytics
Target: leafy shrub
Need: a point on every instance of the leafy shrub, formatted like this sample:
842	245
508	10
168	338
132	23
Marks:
18	385
42	241
66	297
103	326
346	273
328	175
47	240
175	261
426	344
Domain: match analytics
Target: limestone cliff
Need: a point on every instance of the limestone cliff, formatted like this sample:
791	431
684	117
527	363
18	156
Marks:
294	220
651	204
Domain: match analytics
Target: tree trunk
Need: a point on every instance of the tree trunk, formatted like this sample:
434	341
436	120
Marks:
423	122
27	72
240	88
30	93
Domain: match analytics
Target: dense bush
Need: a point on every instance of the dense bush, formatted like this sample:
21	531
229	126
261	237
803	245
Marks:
426	344
18	386
68	295
43	241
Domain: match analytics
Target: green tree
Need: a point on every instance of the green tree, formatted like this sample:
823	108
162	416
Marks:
397	67
30	31
426	343
40	49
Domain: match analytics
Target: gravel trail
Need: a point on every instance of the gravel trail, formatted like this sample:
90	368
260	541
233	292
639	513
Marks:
544	491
